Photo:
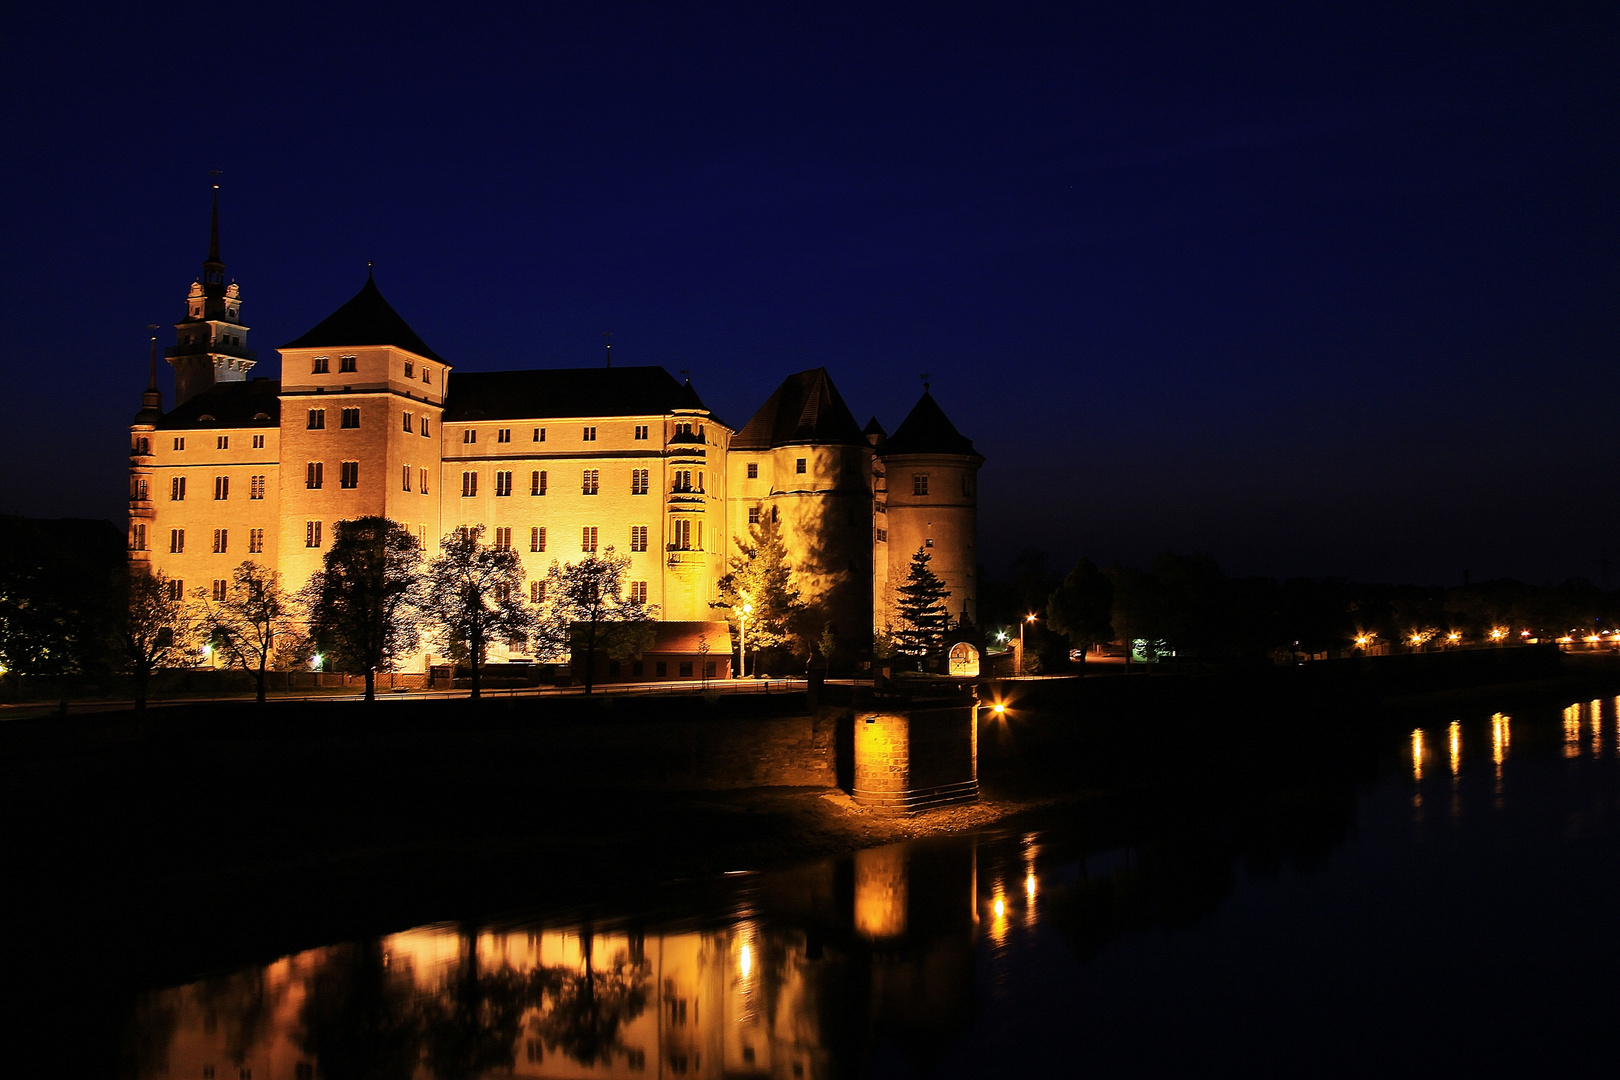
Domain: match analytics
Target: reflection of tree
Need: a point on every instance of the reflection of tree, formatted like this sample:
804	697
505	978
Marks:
584	1011
243	1005
359	1019
471	1027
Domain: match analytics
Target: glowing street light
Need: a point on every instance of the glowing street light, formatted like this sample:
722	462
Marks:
1027	620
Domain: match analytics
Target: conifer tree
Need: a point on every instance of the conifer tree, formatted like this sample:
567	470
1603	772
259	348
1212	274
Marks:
923	615
762	578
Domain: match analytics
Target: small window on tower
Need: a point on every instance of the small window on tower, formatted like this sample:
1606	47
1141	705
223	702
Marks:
753	470
799	465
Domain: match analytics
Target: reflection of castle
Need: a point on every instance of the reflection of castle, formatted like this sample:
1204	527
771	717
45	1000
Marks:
366	419
766	997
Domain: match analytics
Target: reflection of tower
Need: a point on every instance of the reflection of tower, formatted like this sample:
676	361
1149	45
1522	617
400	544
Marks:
212	343
880	892
930	503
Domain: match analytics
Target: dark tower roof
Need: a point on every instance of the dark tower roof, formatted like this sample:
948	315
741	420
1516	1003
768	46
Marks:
367	319
563	392
806	408
927	430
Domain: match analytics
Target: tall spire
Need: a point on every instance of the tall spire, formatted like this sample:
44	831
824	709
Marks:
213	230
151	379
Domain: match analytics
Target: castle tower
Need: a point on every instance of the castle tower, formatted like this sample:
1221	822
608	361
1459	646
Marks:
926	481
804	460
142	460
212	339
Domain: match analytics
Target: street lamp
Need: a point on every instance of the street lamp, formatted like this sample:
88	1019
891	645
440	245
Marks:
1027	620
742	627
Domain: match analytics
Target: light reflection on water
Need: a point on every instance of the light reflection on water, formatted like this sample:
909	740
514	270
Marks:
841	967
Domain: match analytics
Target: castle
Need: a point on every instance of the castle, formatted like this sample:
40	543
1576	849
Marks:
367	419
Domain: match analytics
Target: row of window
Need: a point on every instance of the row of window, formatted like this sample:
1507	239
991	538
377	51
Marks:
322	365
590	482
222	541
348	475
222	488
221	442
469	436
501	539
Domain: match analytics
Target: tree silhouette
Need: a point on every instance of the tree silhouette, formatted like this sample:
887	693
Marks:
584	1011
473	597
585	608
470	1026
921	604
1080	608
364	603
360	1020
154	628
257	625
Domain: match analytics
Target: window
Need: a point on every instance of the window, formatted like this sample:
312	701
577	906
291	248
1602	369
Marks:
425	374
686	669
222	488
681	534
405	478
641	431
177	489
350	418
503	435
638	668
503	538
503	593
255	541
255	487
589	481
421	475
539	434
349	474
320	365
683	429
928	542
883	536
709	668
221	541
469	437
223	442
537	538
469	485
408	425
753	515
140	488
312	534
537	482
638	481
312	475
638	592
410	370
753	470
661	668
220	586
587	540
799	465
143	446
425	427
137	540
537	592
180	443
177	541
258	442
503	483
177	589
346	363
317	420
919	484
681	480
590	435
638	538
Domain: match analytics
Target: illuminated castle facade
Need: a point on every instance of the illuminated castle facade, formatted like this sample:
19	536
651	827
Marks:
367	419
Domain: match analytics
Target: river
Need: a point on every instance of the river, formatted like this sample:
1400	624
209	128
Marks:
1451	912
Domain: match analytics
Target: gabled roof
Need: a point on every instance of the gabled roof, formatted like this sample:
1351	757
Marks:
255	403
367	319
927	430
603	391
806	408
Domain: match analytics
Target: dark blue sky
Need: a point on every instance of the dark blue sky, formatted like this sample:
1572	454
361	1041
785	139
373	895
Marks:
1318	290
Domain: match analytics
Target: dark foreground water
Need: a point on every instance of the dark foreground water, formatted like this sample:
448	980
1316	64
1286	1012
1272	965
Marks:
1453	910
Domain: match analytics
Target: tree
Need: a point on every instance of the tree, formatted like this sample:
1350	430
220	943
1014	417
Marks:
473	597
762	579
154	629
257	625
921	604
1081	607
57	595
585	608
365	601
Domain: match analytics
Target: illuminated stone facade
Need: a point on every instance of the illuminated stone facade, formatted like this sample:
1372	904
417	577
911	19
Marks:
368	419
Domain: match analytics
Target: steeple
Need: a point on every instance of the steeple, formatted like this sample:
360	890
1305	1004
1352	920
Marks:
211	346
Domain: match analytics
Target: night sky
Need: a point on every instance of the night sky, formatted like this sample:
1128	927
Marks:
1320	291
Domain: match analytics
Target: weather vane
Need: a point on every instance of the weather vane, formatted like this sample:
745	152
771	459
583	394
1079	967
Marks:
925	382
609	334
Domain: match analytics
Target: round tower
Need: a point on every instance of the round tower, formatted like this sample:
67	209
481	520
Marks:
926	499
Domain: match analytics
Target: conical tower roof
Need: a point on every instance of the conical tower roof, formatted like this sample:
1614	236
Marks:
367	319
927	430
806	408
